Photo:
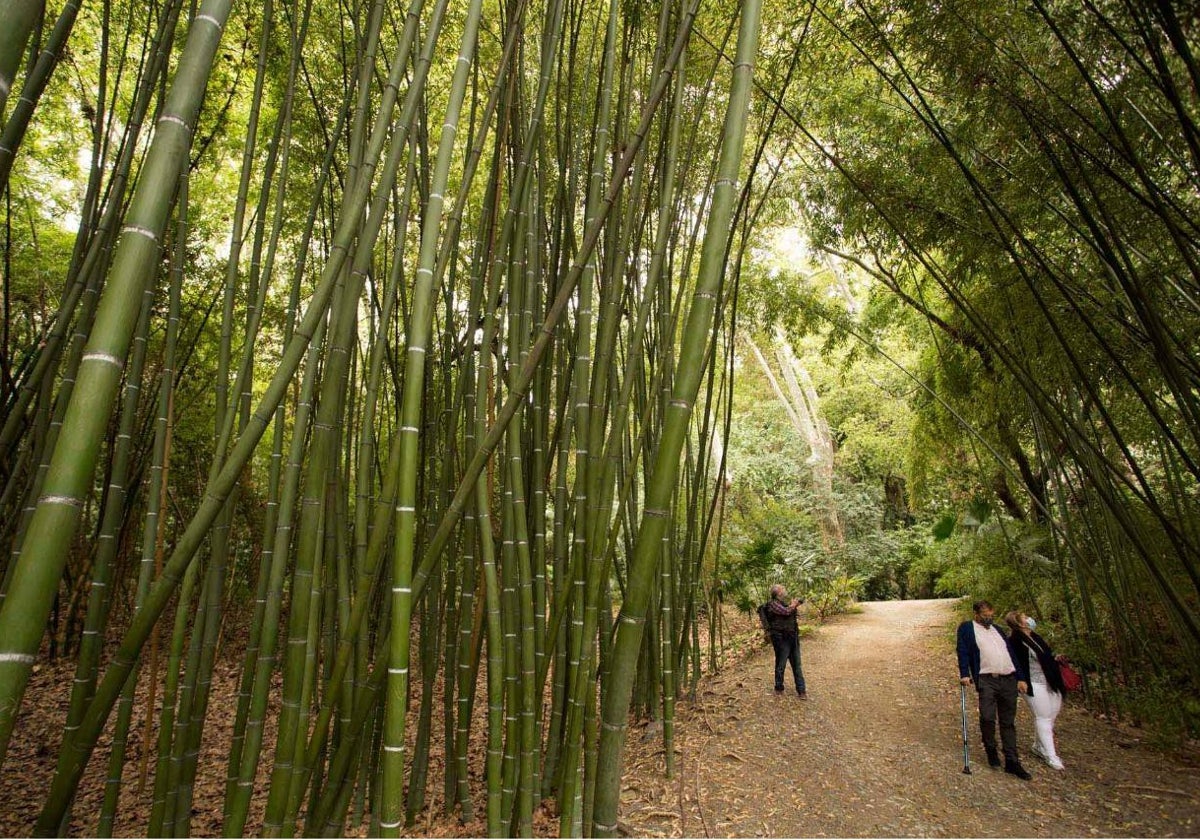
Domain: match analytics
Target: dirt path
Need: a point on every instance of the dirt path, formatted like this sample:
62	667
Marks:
877	751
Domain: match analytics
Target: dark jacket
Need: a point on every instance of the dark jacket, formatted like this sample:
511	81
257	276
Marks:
968	652
1019	648
777	624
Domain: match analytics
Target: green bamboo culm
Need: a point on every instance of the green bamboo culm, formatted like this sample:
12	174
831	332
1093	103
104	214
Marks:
48	59
92	254
662	480
581	643
52	528
99	601
218	491
154	522
419	336
17	20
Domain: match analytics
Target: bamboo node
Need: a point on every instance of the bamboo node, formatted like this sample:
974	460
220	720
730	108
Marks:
105	358
70	501
171	118
141	231
209	19
22	658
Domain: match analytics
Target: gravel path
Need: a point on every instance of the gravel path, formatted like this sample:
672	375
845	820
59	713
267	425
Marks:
877	751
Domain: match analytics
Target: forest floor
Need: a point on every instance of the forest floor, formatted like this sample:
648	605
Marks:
876	751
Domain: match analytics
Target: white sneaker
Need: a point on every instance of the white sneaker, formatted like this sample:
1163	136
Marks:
1055	763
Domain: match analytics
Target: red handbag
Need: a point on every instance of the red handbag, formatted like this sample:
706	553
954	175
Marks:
1070	677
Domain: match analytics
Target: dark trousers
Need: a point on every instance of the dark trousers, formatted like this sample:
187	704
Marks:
787	649
998	700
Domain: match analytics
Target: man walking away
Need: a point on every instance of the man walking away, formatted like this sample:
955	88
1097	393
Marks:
984	661
778	619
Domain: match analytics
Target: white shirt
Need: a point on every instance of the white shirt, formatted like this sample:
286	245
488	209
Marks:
993	651
1036	674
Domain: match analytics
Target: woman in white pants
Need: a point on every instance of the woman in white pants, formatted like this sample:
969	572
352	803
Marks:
1038	666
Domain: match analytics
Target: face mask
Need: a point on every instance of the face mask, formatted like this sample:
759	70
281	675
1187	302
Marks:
1029	622
986	622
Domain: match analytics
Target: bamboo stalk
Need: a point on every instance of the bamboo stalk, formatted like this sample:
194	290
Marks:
662	484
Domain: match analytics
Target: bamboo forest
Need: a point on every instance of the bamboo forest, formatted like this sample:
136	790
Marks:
404	406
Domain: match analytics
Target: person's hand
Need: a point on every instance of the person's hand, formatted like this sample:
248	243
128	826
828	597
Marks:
1061	658
795	602
965	680
1022	687
766	638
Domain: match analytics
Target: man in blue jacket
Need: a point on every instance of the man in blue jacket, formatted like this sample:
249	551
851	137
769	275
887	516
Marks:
984	661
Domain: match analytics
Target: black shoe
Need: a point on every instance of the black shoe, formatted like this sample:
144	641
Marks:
803	695
1015	768
779	691
993	759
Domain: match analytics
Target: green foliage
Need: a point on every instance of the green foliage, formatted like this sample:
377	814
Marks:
943	529
978	564
833	597
880	560
1166	707
863	399
758	563
771	542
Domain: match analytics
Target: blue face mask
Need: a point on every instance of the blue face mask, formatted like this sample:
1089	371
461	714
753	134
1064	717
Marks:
1029	622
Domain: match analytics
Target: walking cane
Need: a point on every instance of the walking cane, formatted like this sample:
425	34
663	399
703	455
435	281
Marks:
966	753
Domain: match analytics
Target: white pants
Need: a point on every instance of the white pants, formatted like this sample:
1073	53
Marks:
1045	705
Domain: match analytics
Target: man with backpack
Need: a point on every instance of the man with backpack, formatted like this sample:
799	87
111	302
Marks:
778	619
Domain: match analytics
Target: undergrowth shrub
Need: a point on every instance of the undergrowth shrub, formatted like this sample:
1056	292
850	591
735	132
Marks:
833	597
